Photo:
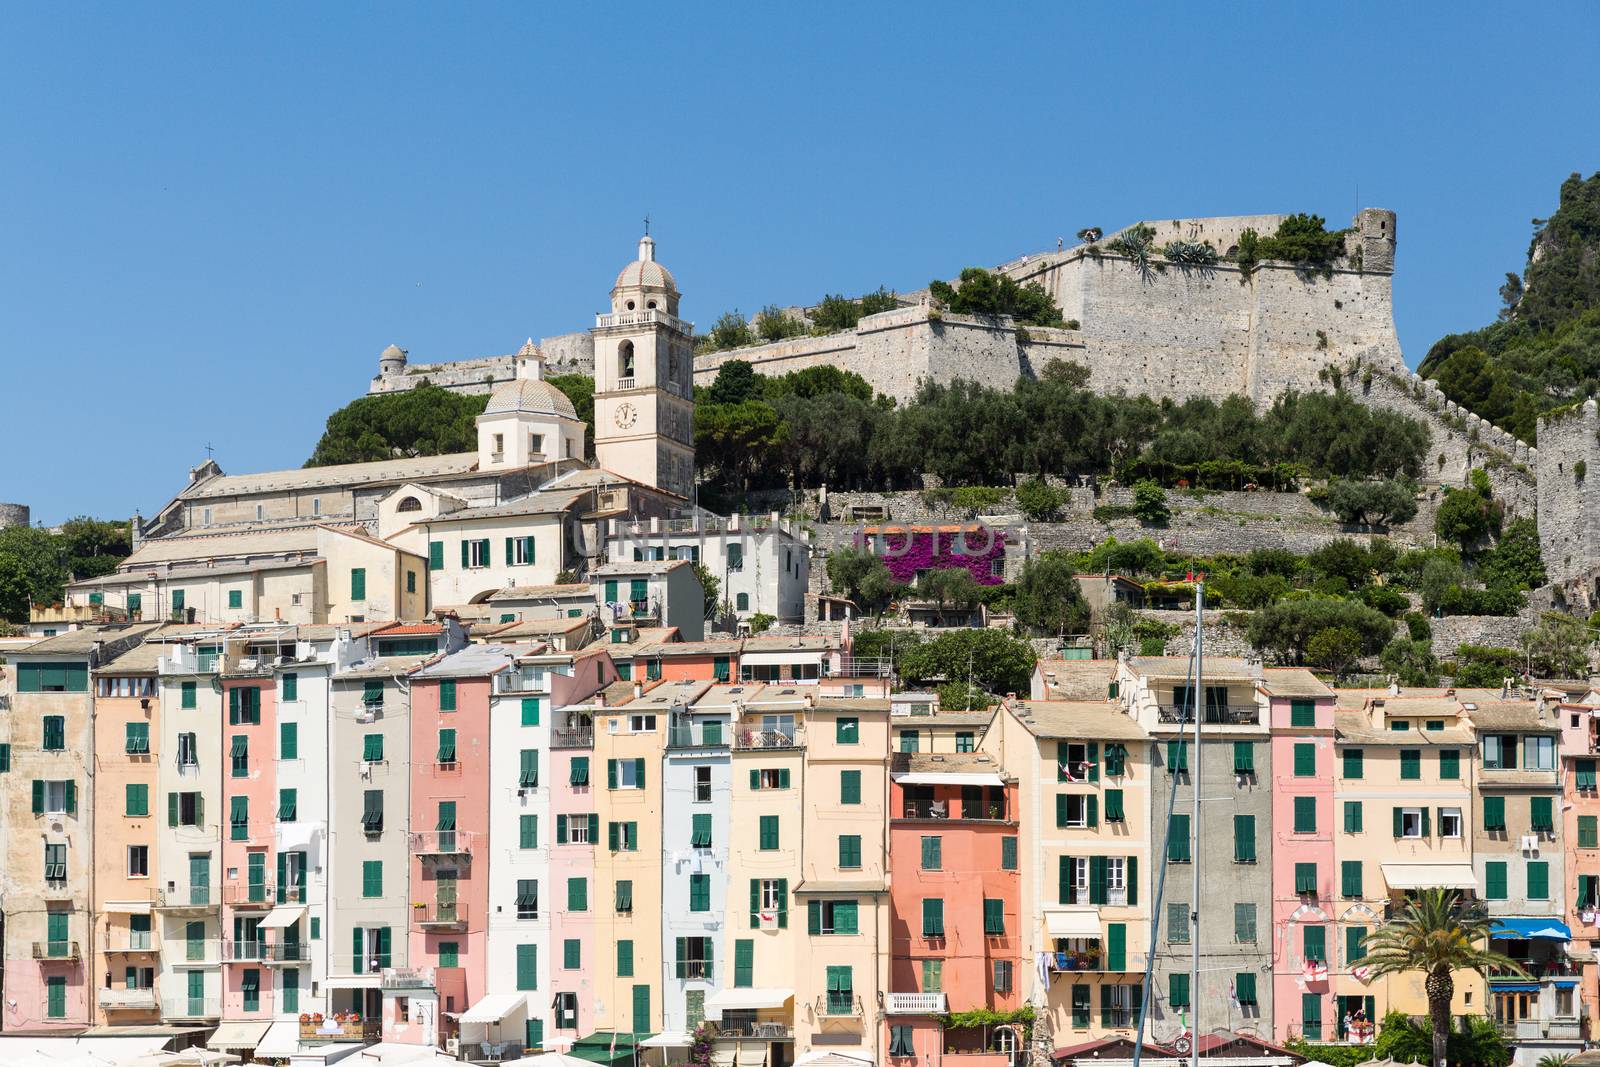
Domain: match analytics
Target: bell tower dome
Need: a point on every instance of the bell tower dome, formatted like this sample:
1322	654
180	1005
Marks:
644	379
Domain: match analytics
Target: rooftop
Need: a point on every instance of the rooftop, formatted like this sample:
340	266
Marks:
529	592
474	661
946	763
534	396
1077	679
382	667
542	502
640	566
1293	682
1179	668
1513	715
1356	726
339	475
84	640
1077	719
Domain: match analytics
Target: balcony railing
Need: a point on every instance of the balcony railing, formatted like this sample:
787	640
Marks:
859	667
572	739
265	952
329	1029
643	318
441	842
184	898
440	915
1214	714
129	941
408	978
689	737
953	809
55	950
745	740
916	1004
839	1005
695	970
127	999
204	1007
1060	962
244	897
763	1031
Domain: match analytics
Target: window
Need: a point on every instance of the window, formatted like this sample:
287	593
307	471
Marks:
411	581
932	917
250	983
1539	753
622	836
187	697
239	818
55	733
1305	759
625	959
1352	816
625	774
138	861
1355	938
136	739
1538	880
136	800
910	741
528	773
849	787
1541	815
372	878
900	1041
769	833
55	996
769	901
1588	832
1177	924
527	831
932	853
475	553
832	917
185	809
994	917
288	741
527	966
699	892
743	963
1408	822
530	711
1305	878
239	753
372	811
1495	886
579	774
965	741
288	805
572	954
1177	757
1500	752
519	550
578	829
700	830
244	706
741	602
1399	726
1244	988
447	747
624	896
1350	879
1244	757
1008	853
577	894
702	785
1494	813
1302	713
1450	822
447	695
1585	775
55	869
847	730
1244	839
850	851
1178	838
1244	923
1178	991
769	778
1076	810
932	976
1305	815
1449	764
1410	764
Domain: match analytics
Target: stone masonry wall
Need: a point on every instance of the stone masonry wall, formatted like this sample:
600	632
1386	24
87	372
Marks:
568	353
1568	465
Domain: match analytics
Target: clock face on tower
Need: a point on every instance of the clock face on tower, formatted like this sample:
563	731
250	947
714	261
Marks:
626	415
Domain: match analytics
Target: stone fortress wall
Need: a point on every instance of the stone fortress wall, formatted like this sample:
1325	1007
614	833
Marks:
569	353
13	515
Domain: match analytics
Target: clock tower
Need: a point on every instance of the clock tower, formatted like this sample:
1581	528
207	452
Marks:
644	379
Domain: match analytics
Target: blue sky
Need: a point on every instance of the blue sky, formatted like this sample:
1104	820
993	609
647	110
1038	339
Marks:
215	216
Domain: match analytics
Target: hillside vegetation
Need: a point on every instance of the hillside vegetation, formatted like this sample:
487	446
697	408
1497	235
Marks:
1544	352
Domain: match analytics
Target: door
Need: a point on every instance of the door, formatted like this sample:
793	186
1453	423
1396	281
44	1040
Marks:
197	993
445	895
258	876
200	878
641	1009
56	934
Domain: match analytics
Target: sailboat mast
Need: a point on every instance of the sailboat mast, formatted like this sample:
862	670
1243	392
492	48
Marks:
1195	851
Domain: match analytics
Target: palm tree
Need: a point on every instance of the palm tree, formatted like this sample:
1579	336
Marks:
1438	932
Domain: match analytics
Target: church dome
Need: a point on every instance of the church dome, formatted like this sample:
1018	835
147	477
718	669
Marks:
532	396
645	272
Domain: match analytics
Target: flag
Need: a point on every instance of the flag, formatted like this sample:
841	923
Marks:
1233	995
1066	773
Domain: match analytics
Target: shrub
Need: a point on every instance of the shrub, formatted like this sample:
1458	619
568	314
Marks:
761	621
1039	500
976	499
1418	627
773	325
1336	649
1150	503
730	331
1380	503
1385	598
1411	661
1468	515
980	292
1287	627
1485	666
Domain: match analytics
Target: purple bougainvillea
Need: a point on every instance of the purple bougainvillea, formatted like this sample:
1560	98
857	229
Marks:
921	550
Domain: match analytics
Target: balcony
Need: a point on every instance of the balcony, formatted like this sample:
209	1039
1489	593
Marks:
187	898
440	916
125	941
204	952
643	318
319	1029
56	950
248	897
916	1004
441	842
756	1030
753	740
189	1009
408	978
690	737
572	738
1215	714
839	1006
952	808
627	383
128	999
860	667
263	952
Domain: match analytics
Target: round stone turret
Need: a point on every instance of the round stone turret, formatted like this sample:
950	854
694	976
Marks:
392	361
13	515
1376	228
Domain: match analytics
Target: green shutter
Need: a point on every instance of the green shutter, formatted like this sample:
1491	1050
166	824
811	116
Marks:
1114	812
1314	945
1097	880
1302	713
1494	813
288	740
358	583
1355	938
1244	757
1450	765
1350	879
1588	831
528	773
1305	759
1178	991
1116	946
527	966
1244	838
1352	816
1410	764
932	917
1305	815
1178	838
1131	880
624	959
530	711
1355	763
1305	878
1541	814
372	878
1494	881
1538	880
447	695
436	555
1008	853
527	831
849	787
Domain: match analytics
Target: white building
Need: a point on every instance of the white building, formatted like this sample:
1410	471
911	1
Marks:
651	593
762	563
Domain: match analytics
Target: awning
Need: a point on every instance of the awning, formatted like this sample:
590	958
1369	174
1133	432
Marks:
605	1046
1072	922
354	981
779	659
1513	987
949	778
1429	876
770	997
282	1040
1566	983
494	1007
842	1057
1530	929
668	1039
128	907
282	917
237	1035
722	1054
751	1054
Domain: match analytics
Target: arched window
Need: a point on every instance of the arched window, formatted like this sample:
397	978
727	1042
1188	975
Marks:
409	503
630	305
625	360
651	304
742	602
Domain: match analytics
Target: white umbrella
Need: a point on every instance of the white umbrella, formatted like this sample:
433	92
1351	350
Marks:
550	1059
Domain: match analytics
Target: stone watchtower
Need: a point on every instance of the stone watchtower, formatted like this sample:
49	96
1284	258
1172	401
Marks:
1569	501
1375	231
644	379
392	361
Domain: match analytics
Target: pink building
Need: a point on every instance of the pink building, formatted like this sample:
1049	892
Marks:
1304	882
955	924
450	817
255	874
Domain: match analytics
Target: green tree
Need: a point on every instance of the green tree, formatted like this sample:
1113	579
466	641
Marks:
1485	666
733	442
1150	503
863	577
1438	933
1047	601
1558	647
1336	649
735	383
1515	560
424	421
1411	661
1287	627
761	622
1039	500
94	547
772	324
579	388
1469	515
980	292
1380	503
34	567
950	587
729	331
711	588
993	661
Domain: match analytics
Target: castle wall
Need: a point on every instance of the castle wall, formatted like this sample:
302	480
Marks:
568	353
1568	465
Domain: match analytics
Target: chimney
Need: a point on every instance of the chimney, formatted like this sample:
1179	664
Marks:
638	690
